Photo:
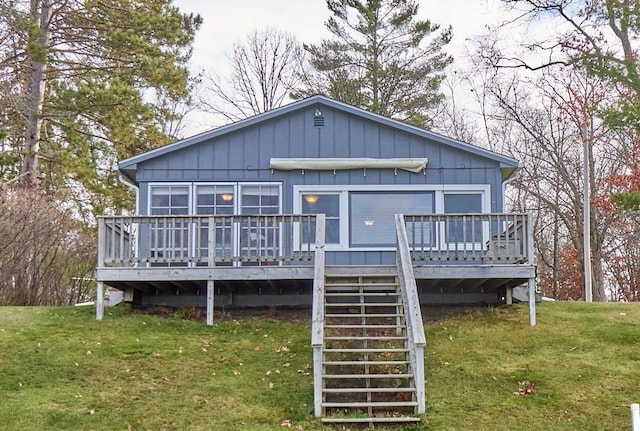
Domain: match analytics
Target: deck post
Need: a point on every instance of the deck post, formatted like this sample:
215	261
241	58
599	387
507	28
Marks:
102	232
509	298
532	301
99	300
210	301
635	417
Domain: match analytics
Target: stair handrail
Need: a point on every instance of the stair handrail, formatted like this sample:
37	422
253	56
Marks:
411	301
317	320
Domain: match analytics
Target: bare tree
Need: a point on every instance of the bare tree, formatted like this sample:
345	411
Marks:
264	70
47	257
541	122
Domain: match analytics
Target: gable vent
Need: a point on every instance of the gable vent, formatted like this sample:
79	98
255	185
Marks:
318	118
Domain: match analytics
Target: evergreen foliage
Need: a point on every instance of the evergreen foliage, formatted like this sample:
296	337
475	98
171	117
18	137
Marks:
87	83
381	58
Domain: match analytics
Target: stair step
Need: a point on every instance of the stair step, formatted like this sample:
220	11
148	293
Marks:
368	376
358	294
364	326
354	315
359	286
359	305
364	338
366	350
366	390
377	419
365	363
372	404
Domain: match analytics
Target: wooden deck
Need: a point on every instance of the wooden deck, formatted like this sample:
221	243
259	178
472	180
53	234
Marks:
271	259
280	260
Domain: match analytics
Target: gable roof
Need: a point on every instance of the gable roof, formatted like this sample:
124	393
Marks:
508	166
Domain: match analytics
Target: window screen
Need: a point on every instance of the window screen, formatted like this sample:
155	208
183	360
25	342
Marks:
372	222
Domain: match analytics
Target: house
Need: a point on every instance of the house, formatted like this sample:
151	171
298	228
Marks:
324	204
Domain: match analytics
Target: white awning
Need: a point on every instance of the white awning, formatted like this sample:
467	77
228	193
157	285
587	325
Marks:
319	164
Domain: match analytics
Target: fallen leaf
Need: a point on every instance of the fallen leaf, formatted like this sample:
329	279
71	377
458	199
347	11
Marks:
285	423
92	412
270	385
236	372
526	388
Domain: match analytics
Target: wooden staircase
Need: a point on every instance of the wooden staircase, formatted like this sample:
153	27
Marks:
366	370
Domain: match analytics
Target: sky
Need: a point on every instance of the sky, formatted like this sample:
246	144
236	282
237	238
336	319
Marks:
229	21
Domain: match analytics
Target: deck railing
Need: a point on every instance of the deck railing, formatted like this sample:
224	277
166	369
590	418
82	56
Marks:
493	238
317	319
415	330
205	240
126	241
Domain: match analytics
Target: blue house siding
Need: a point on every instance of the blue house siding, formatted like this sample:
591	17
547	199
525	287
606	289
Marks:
241	153
244	155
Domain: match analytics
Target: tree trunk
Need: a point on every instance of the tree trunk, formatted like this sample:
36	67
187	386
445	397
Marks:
36	81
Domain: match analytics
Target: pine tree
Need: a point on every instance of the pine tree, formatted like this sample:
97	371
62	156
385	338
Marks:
381	58
83	79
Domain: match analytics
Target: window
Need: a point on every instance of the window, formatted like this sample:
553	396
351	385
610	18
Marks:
169	200
372	215
260	199
215	200
260	236
169	238
178	238
362	216
329	205
463	228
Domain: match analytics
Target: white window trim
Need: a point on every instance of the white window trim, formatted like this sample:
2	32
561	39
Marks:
439	191
237	185
241	184
189	186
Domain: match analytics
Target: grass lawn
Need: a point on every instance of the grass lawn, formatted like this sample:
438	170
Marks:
62	370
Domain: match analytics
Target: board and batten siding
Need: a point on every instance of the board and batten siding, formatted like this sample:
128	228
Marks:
243	155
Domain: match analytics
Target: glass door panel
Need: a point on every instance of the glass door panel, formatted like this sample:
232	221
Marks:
260	237
215	200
